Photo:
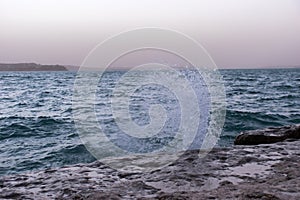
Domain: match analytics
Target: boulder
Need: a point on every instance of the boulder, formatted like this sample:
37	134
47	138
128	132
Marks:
268	135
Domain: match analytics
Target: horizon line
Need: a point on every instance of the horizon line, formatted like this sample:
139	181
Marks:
76	67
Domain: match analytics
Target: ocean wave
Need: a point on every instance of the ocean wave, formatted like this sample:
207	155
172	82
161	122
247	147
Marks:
75	153
37	129
18	126
238	121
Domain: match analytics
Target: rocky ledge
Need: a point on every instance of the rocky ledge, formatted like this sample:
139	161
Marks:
269	135
266	171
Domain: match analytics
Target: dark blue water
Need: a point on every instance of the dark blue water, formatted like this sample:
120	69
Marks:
37	128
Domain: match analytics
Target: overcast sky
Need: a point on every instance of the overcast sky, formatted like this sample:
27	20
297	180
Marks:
236	33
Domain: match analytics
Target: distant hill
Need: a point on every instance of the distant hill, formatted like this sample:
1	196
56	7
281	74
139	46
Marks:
30	67
71	67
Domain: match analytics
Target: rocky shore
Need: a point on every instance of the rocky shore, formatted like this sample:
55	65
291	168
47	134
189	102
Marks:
264	171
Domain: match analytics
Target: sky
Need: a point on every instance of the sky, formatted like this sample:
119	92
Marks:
236	33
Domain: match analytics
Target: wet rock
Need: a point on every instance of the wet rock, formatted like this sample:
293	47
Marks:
268	136
267	171
260	195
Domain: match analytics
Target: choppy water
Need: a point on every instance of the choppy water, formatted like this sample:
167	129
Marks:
37	128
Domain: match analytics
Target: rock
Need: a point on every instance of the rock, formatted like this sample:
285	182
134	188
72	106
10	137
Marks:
268	136
269	171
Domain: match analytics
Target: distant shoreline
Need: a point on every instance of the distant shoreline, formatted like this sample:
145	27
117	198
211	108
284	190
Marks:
30	67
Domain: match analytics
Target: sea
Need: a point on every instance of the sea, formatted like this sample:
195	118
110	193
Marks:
38	130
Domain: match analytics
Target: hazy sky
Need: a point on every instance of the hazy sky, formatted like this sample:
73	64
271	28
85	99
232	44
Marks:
236	33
